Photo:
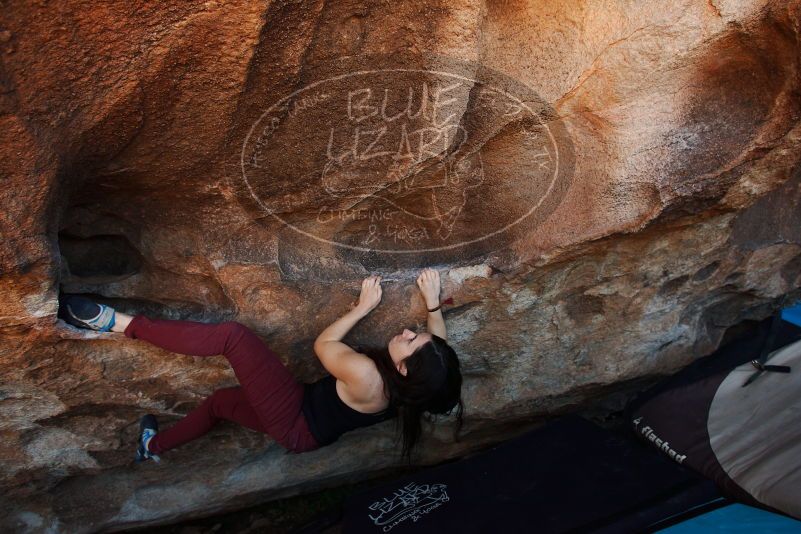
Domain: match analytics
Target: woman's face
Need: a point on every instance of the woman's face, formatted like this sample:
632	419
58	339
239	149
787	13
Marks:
404	344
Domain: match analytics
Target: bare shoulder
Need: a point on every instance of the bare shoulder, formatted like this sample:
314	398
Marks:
342	361
367	393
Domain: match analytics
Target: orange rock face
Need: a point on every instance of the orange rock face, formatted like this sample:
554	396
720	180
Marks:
604	191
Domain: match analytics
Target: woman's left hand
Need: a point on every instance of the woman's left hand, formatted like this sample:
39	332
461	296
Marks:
371	294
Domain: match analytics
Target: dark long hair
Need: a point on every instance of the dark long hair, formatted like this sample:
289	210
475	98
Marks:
432	384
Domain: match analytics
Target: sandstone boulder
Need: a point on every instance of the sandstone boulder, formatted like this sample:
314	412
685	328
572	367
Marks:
606	189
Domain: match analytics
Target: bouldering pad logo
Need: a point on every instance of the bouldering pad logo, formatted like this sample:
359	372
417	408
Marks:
411	501
405	160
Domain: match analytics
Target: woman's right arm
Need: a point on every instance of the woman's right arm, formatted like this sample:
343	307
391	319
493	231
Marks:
429	285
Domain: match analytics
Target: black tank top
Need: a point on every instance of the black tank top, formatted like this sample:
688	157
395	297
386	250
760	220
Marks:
329	417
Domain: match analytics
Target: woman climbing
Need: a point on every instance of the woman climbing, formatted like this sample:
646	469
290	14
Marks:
415	373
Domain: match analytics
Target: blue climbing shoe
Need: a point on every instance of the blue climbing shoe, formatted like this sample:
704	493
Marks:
84	313
148	427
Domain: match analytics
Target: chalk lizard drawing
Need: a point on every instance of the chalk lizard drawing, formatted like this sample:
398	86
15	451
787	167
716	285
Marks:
443	181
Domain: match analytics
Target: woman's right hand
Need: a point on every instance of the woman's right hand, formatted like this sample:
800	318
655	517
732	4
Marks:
428	282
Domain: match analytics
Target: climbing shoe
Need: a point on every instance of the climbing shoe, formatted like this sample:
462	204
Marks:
148	427
84	313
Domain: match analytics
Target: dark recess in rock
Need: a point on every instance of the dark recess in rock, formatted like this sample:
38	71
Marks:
106	257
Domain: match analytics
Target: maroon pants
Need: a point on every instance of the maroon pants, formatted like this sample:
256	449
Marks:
268	400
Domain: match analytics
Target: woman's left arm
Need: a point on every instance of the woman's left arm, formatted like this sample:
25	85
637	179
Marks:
368	300
339	328
338	358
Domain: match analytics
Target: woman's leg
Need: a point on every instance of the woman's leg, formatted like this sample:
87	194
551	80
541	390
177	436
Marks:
121	321
270	389
226	403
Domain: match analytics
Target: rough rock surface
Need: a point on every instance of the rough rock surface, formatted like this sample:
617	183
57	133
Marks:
657	144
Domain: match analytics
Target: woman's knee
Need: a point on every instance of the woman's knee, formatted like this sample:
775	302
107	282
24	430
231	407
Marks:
219	402
233	328
233	332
